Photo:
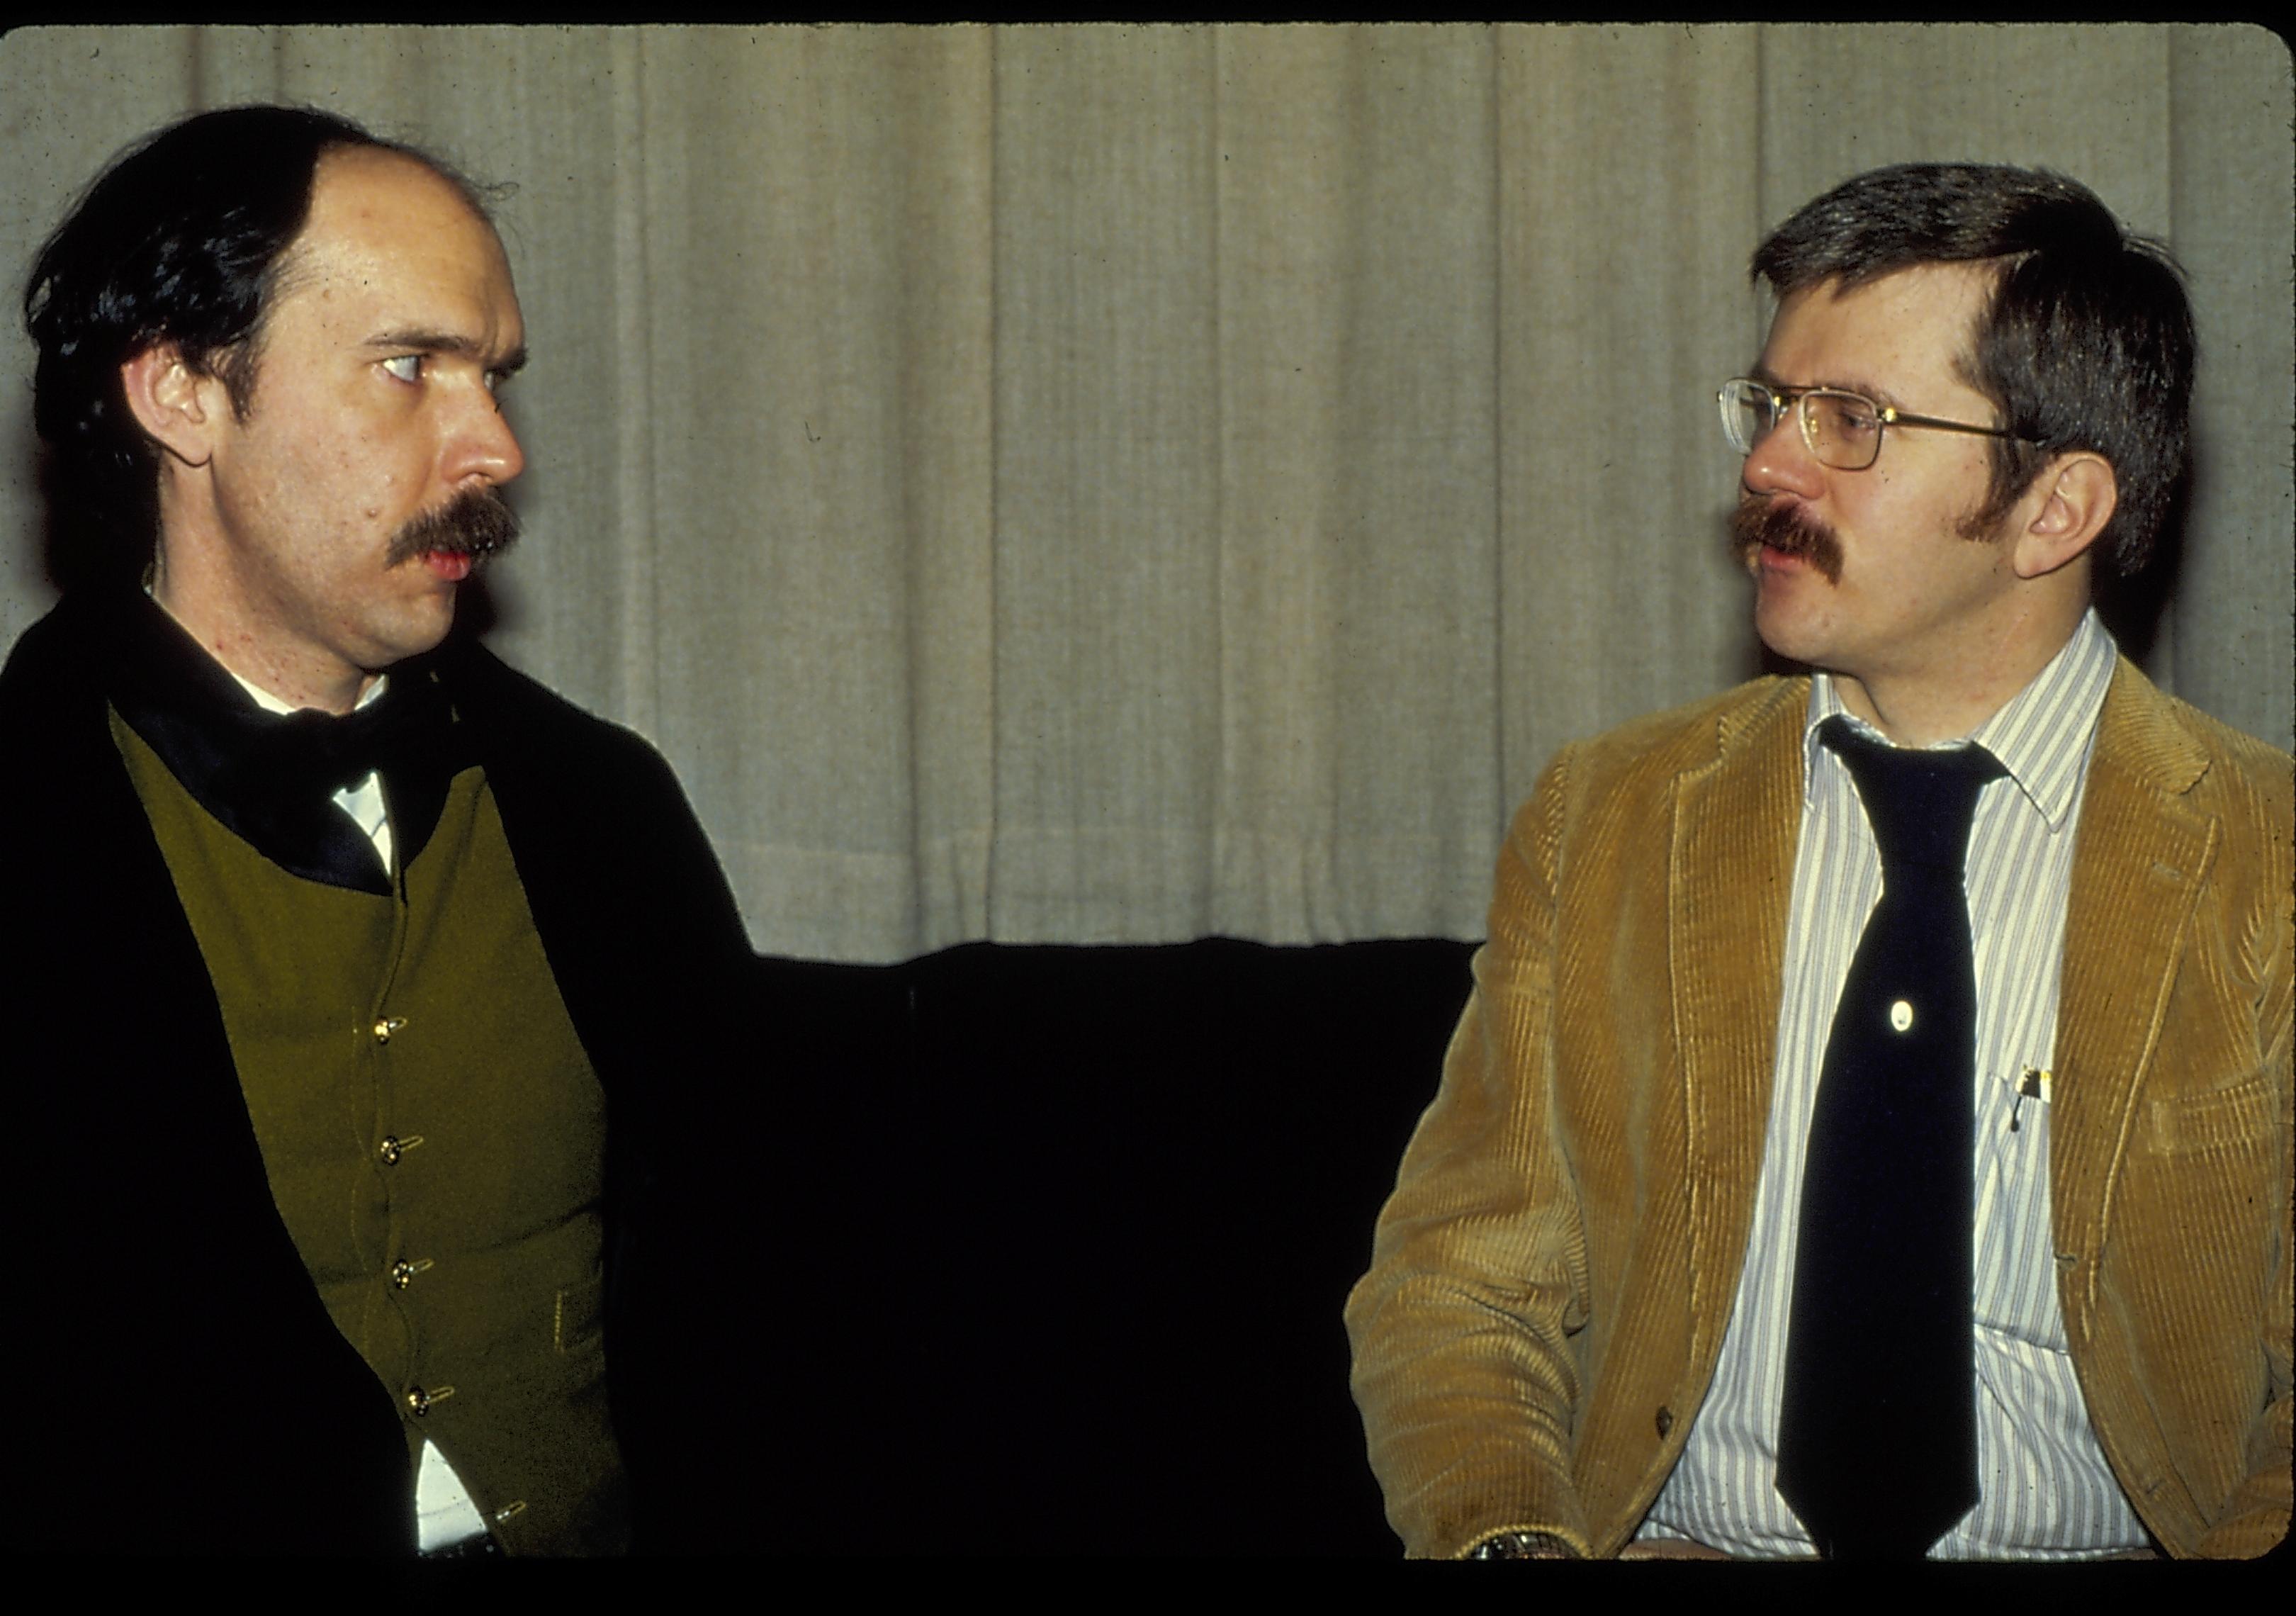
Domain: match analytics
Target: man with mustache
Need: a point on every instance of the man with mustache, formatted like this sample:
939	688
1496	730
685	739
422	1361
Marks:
358	973
1870	1133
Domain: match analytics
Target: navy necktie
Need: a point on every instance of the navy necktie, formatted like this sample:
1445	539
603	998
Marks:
1877	1441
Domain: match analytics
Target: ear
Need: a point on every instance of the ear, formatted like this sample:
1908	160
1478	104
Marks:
177	408
2067	507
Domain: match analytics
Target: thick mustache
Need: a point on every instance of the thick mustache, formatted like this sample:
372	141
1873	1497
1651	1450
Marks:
1770	524
477	524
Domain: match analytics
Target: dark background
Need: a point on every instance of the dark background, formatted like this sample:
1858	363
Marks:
1034	1250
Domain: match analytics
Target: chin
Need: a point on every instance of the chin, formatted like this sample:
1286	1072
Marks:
413	633
1789	634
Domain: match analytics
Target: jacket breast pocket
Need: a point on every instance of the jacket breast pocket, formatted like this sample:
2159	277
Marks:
2227	1121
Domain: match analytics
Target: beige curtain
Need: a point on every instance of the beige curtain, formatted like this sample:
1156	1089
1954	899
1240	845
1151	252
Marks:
1103	484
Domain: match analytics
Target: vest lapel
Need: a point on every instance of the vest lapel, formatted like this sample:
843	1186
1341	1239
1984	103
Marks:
1736	820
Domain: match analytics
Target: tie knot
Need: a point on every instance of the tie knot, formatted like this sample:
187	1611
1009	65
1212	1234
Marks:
1919	802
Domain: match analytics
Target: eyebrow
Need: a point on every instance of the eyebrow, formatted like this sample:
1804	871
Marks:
1879	395
448	343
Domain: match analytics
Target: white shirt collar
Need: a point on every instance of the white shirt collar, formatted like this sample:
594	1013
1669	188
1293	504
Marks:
2040	735
271	703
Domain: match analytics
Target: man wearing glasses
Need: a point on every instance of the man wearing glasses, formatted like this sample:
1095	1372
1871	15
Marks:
1870	1134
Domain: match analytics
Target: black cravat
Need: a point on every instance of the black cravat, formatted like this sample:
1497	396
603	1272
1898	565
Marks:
271	779
1877	1441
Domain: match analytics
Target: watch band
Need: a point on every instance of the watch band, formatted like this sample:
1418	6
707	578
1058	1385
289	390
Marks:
1522	1546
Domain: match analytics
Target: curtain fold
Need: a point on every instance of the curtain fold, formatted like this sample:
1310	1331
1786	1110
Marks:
1087	484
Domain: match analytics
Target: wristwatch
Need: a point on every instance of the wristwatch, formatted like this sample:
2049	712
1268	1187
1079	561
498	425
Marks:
1522	1545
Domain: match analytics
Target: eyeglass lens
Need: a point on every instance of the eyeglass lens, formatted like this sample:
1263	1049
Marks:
1841	429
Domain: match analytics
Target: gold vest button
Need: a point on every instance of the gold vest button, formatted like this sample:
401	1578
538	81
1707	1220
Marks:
422	1402
387	1025
393	1147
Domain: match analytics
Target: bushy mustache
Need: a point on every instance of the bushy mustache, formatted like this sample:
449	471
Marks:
475	523
1772	524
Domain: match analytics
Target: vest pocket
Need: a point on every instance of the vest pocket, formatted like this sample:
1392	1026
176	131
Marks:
579	1324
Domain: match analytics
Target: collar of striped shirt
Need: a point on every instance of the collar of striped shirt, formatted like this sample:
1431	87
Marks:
2041	735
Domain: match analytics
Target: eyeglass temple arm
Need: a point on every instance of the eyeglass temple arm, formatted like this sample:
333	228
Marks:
1891	415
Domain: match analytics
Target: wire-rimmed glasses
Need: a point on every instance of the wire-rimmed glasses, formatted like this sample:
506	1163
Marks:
1840	428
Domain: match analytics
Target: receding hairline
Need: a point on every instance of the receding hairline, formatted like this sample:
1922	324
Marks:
383	156
286	273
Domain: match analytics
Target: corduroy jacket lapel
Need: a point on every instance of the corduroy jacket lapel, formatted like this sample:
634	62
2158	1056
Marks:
2141	859
1737	817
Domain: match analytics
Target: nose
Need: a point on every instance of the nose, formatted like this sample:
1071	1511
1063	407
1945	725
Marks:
483	445
1780	463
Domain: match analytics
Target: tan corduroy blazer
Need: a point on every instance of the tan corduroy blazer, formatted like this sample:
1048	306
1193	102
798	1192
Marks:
1552	1277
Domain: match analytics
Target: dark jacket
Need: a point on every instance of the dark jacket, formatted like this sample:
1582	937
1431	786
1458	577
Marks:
178	1385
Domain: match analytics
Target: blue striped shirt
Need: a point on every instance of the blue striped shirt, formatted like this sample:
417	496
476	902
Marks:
2047	1492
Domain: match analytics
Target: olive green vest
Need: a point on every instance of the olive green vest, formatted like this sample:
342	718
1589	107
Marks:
434	1137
